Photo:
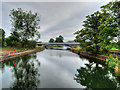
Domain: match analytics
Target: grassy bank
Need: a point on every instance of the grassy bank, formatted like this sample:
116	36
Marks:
19	52
80	51
112	60
88	54
12	49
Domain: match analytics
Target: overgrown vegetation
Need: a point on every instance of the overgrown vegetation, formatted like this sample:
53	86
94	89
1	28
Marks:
2	37
25	25
58	39
100	30
100	33
51	40
112	61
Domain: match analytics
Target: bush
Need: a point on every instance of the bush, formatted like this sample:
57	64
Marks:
12	41
92	49
31	44
112	60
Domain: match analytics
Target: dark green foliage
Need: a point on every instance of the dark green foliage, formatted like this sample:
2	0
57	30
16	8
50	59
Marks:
31	44
51	40
100	29
93	77
2	37
16	34
26	24
113	46
25	72
112	61
71	41
90	32
12	41
109	23
59	39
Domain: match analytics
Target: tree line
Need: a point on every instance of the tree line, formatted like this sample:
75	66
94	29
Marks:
58	39
100	29
25	25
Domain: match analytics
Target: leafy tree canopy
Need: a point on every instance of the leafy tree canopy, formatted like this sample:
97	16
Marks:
26	24
12	41
2	37
51	40
100	28
59	39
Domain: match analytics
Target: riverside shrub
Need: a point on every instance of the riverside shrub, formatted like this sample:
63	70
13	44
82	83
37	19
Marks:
112	61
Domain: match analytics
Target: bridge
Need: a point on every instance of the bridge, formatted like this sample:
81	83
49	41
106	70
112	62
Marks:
64	43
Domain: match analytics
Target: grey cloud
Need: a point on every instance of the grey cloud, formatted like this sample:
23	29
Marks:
0	14
68	26
62	18
57	0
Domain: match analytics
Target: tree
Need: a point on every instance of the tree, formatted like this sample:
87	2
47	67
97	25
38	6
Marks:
59	39
12	41
109	21
118	5
2	37
15	34
51	40
114	8
26	24
90	32
71	41
97	31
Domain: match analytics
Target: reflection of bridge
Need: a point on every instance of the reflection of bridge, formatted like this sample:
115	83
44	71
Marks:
65	44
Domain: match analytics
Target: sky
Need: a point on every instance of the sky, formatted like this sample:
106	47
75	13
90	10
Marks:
56	17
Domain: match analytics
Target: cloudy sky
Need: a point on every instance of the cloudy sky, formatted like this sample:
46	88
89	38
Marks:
57	18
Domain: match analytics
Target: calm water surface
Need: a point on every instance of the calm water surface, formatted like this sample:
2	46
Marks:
56	69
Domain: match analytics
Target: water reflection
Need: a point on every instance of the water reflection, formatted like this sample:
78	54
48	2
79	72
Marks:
25	71
95	76
54	71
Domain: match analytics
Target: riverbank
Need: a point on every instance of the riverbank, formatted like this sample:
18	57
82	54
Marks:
10	55
100	58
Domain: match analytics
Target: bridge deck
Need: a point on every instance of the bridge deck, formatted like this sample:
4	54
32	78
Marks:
57	43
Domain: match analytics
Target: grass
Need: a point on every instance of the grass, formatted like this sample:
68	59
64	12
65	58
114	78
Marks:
12	49
6	48
76	48
114	48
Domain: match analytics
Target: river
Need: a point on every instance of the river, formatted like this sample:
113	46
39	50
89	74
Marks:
56	69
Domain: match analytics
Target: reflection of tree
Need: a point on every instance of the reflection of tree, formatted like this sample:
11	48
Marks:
9	63
96	77
1	66
26	72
